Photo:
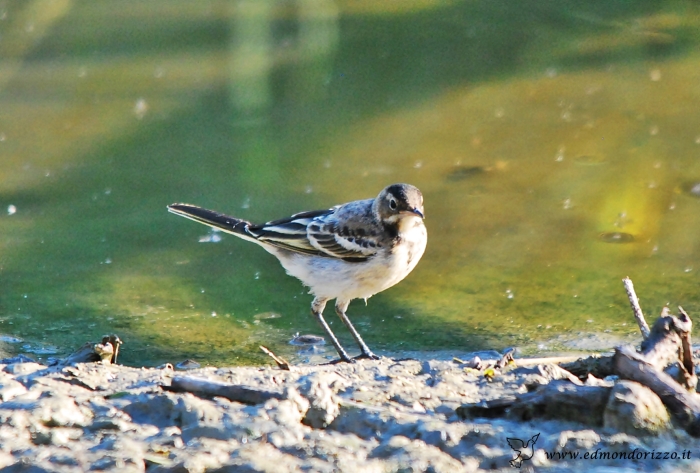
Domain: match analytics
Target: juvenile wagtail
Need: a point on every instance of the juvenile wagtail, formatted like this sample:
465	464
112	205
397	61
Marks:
350	251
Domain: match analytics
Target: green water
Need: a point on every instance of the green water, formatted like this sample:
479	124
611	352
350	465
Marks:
531	128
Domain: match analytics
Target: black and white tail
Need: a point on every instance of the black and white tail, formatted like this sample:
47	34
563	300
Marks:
226	223
289	233
305	232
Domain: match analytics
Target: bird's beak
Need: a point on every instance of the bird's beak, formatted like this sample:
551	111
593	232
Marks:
414	212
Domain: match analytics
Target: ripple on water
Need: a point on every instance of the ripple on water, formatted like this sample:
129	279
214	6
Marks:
616	237
40	349
461	173
306	340
590	159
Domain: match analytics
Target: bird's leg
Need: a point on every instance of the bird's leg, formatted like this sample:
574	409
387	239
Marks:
317	307
340	308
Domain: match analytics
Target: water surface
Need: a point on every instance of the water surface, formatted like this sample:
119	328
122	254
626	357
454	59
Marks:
557	145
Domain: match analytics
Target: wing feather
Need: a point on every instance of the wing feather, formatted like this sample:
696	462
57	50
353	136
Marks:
317	232
334	242
289	233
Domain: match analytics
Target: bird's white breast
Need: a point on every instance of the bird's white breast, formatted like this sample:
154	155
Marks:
332	278
411	247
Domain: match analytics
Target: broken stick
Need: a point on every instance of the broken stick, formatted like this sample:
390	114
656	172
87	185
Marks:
281	362
204	387
634	302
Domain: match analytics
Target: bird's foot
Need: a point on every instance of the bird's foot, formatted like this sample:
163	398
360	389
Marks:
367	355
342	359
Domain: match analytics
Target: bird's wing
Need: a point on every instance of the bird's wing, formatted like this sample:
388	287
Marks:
289	233
318	232
340	242
515	444
534	439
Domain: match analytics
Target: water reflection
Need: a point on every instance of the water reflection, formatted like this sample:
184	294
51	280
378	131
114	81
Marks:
533	129
24	25
252	51
262	40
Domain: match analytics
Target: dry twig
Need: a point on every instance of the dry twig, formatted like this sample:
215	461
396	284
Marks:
281	362
204	387
634	302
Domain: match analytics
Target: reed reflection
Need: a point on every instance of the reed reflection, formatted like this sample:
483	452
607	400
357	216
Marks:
267	35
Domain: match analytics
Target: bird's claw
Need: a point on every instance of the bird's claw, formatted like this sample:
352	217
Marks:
367	355
341	360
364	356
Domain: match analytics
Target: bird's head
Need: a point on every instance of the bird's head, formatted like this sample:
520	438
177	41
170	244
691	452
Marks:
398	202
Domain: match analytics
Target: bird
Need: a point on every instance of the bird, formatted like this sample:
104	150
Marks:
349	251
524	451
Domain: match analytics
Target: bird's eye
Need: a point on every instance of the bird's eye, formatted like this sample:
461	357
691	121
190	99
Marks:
392	204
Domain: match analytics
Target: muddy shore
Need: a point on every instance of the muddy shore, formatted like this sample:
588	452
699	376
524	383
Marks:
371	416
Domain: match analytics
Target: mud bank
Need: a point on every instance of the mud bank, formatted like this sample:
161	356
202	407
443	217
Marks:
371	416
